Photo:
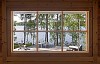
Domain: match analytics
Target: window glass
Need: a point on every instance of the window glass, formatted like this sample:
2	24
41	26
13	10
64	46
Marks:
50	31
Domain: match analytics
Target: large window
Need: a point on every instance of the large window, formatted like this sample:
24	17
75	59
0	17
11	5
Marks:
50	31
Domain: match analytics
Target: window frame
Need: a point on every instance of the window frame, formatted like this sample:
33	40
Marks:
47	54
62	30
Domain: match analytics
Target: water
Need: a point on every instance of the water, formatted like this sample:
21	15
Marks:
41	37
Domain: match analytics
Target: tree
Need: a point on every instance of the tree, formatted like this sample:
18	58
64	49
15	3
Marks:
55	24
28	25
42	21
31	25
74	22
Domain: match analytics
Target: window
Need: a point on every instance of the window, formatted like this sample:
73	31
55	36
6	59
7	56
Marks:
50	31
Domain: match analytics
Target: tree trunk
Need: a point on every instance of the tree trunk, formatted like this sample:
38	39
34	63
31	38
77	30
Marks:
25	29
78	33
27	37
47	29
72	37
57	29
33	38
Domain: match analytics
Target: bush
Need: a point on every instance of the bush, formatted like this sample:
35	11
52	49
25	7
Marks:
28	44
16	45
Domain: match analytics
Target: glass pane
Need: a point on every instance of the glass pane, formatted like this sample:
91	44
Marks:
54	22
74	21
49	29
49	41
83	22
24	41
31	25
74	41
49	21
24	20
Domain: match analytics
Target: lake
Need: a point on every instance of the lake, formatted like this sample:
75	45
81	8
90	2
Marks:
41	36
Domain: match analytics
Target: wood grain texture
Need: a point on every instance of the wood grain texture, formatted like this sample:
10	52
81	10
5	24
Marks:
51	58
49	63
49	4
0	28
95	31
48	0
99	29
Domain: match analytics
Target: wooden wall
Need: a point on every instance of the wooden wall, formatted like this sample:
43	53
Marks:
93	58
0	25
99	31
0	32
99	27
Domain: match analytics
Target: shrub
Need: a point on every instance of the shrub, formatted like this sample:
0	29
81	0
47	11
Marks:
28	44
16	45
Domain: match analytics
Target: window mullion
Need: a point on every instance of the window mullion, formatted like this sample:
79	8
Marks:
62	32
37	32
87	35
12	45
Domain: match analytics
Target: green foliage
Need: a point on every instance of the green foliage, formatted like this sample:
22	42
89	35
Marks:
74	22
16	45
28	44
42	24
31	24
15	23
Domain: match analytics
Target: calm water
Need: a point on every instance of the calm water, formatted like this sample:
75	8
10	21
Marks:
41	36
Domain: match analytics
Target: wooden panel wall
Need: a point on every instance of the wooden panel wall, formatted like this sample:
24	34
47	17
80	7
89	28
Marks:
99	31
0	32
47	5
0	25
99	28
45	62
